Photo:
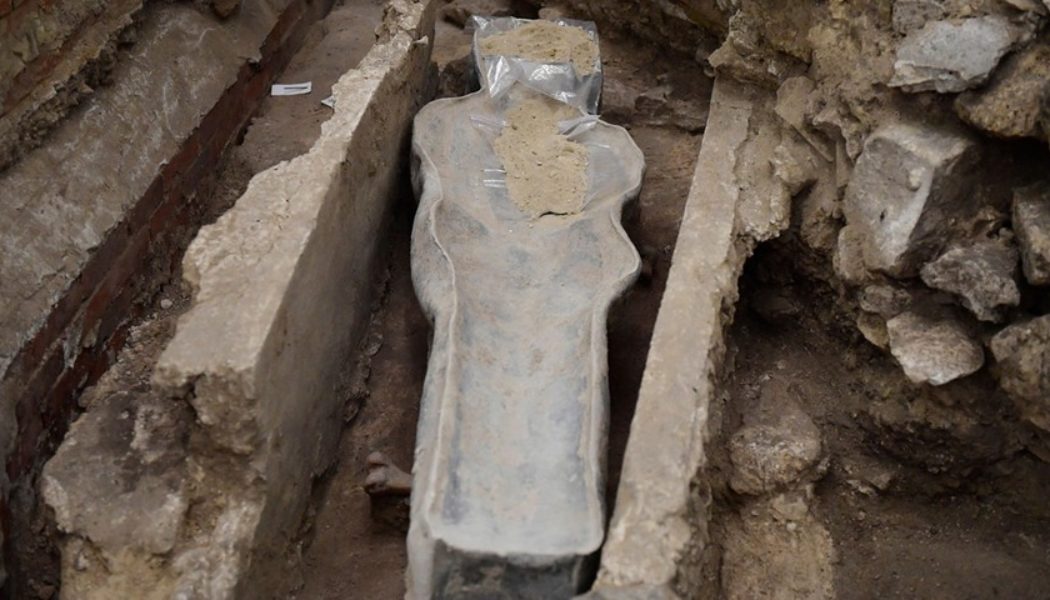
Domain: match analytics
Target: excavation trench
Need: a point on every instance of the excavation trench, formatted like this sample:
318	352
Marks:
356	545
758	445
350	546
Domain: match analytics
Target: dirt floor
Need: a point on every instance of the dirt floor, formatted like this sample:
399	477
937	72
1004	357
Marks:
918	501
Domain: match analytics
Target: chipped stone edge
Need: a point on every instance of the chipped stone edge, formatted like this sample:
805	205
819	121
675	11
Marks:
280	286
658	534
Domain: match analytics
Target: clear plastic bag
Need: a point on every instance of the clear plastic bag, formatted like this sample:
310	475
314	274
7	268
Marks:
497	73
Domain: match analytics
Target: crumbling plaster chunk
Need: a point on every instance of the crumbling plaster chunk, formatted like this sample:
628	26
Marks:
1022	354
1031	219
909	185
983	275
949	57
933	351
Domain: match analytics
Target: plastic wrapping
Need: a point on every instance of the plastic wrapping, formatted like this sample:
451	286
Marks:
497	73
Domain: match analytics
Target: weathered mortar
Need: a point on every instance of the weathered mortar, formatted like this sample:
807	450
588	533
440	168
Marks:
281	286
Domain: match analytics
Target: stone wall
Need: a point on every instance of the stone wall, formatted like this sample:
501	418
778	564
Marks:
913	144
93	221
243	413
924	183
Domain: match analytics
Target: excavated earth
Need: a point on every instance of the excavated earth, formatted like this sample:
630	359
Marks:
910	501
831	475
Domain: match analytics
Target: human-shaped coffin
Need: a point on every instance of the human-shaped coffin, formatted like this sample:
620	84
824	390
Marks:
517	254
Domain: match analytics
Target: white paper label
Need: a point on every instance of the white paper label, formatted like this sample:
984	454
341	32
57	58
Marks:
291	89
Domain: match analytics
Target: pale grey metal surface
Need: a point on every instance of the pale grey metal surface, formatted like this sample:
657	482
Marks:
507	497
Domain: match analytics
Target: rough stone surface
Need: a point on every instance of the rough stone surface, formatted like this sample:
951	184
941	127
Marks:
778	446
777	549
908	186
1031	218
848	258
684	26
50	60
459	12
1022	354
933	351
295	254
119	483
885	300
659	527
948	57
873	328
983	275
909	15
1009	106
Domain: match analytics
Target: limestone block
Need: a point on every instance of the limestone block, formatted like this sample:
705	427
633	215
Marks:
281	287
983	275
119	485
884	300
933	351
1031	218
947	57
1022	354
113	480
909	184
848	258
909	15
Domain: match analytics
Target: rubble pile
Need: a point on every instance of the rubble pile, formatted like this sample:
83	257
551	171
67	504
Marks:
921	128
915	146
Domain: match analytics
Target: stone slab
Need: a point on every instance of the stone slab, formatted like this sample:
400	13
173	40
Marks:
658	532
86	303
281	286
933	351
